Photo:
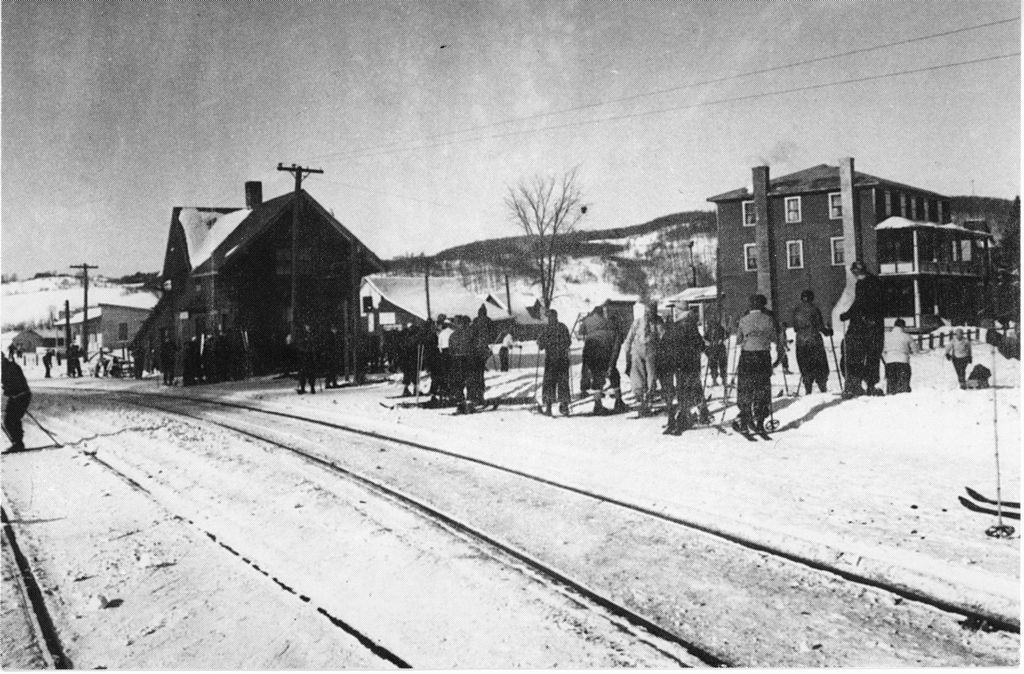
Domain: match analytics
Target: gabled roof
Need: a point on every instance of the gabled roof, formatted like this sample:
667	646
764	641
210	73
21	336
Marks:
214	235
447	295
820	178
702	294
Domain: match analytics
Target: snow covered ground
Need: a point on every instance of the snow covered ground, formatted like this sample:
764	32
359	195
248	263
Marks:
870	485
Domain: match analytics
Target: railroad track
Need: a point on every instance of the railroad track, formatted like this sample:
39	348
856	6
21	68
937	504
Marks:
204	410
970	614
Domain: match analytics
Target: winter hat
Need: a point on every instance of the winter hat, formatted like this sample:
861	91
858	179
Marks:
758	301
858	267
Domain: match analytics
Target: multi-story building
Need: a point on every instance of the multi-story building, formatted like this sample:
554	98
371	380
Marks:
802	230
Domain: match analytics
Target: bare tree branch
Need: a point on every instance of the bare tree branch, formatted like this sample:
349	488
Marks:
546	208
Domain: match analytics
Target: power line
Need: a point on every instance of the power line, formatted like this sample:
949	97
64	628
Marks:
657	92
645	113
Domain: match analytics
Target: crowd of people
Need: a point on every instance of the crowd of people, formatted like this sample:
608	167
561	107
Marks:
664	358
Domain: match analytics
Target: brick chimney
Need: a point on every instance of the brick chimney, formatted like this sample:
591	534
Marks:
253	194
763	236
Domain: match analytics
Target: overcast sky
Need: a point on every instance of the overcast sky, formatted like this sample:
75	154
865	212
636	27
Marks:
422	114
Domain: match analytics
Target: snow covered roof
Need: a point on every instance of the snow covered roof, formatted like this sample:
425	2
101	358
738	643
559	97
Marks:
205	230
703	294
898	222
447	295
97	311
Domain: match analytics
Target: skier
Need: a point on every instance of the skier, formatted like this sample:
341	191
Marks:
410	359
331	356
863	342
896	354
554	341
810	348
18	394
460	352
679	349
482	331
439	385
599	335
48	362
640	355
755	334
717	352
959	353
503	353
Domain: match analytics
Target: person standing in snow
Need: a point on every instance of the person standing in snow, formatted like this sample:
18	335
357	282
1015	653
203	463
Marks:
896	354
755	334
168	349
641	349
599	341
482	330
48	362
717	352
959	353
503	353
809	326
865	336
305	347
554	341
680	346
441	385
18	394
460	352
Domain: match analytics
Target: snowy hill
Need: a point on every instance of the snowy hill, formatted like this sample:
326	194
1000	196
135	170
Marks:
39	301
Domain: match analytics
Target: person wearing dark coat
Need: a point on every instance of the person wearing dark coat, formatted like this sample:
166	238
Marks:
191	363
332	350
460	356
599	347
755	334
410	359
865	336
555	341
680	346
48	362
75	361
305	347
482	330
717	352
810	348
168	350
18	394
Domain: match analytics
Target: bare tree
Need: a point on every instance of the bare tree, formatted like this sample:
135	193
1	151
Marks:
546	208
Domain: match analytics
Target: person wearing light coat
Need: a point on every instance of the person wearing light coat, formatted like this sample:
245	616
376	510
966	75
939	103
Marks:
640	345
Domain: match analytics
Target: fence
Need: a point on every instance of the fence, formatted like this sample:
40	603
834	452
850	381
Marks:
933	339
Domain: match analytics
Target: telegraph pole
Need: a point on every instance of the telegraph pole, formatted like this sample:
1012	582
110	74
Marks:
85	305
299	172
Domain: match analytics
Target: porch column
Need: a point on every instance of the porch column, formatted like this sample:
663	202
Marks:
917	266
917	302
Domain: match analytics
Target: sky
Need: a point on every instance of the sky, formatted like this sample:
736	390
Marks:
423	114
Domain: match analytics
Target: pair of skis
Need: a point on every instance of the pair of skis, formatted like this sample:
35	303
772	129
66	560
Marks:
982	504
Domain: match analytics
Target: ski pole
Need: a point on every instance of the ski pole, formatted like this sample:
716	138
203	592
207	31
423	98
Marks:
725	385
419	365
1000	530
835	360
43	428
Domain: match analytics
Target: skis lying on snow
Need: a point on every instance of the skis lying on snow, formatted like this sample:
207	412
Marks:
974	507
977	496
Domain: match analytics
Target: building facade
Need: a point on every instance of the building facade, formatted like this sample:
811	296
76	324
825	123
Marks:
253	275
801	231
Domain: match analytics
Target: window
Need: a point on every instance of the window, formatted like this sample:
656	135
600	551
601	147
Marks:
749	214
835	206
122	332
838	257
794	254
913	208
750	256
929	210
888	203
903	205
793	209
941	213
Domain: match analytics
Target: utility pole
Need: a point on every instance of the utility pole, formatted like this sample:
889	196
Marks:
85	305
299	172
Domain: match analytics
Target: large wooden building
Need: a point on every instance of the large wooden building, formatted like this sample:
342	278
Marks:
802	230
256	273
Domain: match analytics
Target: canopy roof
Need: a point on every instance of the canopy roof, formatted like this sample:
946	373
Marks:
899	222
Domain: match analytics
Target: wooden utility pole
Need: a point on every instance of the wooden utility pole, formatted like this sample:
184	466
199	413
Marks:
299	172
85	305
67	335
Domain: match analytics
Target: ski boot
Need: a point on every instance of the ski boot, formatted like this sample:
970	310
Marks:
563	409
